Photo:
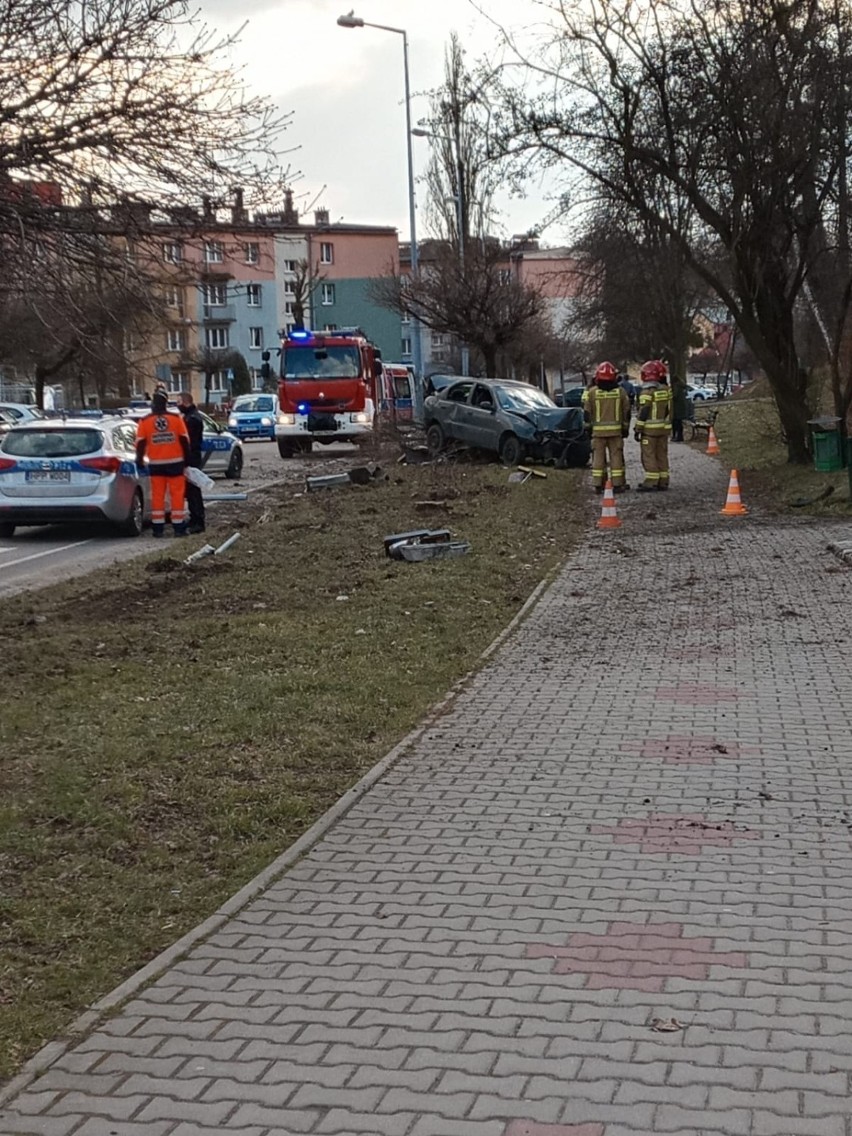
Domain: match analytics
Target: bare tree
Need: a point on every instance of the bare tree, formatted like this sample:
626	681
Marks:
482	302
306	280
740	109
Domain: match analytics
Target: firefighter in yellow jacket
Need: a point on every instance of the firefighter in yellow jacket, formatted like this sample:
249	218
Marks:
607	408
654	425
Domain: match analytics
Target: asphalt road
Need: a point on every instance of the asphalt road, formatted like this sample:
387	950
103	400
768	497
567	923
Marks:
36	558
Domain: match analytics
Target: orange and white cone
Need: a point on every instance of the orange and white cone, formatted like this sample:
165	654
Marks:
734	506
712	443
609	513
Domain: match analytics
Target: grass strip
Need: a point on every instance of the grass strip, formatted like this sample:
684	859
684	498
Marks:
168	730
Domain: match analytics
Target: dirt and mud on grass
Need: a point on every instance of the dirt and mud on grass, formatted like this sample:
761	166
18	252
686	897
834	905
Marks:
751	441
168	730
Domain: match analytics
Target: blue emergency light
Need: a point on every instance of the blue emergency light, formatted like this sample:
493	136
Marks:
302	408
300	335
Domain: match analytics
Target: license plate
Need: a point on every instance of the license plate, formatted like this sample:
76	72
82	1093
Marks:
48	475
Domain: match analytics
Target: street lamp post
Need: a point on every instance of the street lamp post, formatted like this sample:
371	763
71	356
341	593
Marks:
353	21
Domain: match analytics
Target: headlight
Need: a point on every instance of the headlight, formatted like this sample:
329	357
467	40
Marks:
266	421
286	419
232	421
361	418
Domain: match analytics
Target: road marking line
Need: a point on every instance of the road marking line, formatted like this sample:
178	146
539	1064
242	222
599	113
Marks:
47	552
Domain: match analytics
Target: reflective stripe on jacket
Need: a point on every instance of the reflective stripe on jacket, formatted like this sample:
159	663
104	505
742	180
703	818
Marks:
608	410
655	410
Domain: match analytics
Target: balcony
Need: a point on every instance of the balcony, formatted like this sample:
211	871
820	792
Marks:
219	313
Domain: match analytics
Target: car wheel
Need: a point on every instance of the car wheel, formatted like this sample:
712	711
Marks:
435	440
7	529
511	449
235	465
286	447
133	523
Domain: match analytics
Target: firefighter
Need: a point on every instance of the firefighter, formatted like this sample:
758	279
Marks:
163	437
654	425
607	408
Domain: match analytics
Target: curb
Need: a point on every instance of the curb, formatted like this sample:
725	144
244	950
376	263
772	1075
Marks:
41	1061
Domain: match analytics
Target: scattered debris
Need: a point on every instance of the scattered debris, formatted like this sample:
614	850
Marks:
426	536
415	455
666	1025
224	547
433	506
360	475
200	553
531	472
226	496
516	477
417	551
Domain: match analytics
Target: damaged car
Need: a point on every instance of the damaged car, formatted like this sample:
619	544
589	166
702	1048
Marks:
514	420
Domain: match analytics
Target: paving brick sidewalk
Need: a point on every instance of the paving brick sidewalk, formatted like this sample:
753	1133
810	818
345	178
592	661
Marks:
580	846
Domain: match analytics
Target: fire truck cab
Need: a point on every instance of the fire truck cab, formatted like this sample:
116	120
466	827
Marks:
326	389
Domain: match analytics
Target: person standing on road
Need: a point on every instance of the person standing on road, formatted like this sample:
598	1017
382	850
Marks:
654	424
680	407
195	428
607	408
162	437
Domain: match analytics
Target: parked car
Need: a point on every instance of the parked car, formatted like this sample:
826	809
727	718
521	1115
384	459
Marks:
253	416
21	411
6	422
569	396
436	383
701	393
54	471
512	419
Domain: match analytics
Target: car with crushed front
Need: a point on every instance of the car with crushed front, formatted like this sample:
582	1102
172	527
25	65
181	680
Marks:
60	471
514	420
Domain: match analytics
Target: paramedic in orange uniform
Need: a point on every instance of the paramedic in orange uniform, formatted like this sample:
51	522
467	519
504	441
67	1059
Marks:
162	437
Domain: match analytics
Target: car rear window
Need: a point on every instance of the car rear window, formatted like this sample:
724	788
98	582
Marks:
67	443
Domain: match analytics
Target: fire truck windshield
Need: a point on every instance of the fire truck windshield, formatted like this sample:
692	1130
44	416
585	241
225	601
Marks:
322	363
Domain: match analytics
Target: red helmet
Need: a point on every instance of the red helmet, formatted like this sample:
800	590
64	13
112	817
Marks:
653	371
606	372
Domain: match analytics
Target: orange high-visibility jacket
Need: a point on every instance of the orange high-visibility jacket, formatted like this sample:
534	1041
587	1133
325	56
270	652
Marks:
162	435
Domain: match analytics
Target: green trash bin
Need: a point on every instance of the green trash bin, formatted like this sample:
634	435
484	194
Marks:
828	452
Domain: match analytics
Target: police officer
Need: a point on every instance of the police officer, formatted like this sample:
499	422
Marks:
654	425
607	408
195	428
163	438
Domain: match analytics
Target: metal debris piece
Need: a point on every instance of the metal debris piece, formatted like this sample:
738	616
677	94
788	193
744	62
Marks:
418	551
327	481
200	553
532	472
224	547
428	536
226	497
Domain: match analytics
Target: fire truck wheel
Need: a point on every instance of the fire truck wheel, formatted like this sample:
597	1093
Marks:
306	445
435	440
285	448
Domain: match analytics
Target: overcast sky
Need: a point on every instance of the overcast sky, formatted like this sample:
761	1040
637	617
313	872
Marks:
345	89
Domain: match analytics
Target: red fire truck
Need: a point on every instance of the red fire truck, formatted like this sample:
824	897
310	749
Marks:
326	389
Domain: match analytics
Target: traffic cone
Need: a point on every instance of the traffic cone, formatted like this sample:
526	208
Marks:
733	505
609	513
712	443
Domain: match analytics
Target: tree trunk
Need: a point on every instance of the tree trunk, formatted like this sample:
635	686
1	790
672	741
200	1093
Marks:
41	373
489	355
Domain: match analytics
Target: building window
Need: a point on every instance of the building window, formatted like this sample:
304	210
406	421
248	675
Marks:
256	378
252	251
173	252
178	381
218	381
214	253
326	252
406	345
289	265
215	295
253	295
330	327
255	337
288	327
289	288
217	337
437	339
174	298
328	294
176	339
406	318
288	309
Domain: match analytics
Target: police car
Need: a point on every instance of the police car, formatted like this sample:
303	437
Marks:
55	471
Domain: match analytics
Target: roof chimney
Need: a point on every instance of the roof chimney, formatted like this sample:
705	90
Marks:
239	213
291	215
321	217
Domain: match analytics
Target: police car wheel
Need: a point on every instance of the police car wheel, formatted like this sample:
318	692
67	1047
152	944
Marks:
7	529
132	525
235	466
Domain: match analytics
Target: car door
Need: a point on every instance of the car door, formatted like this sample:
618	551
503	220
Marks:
484	426
455	417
